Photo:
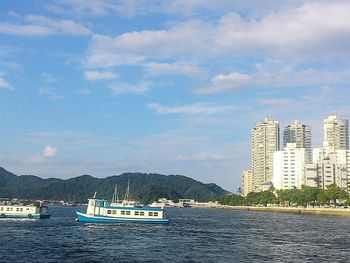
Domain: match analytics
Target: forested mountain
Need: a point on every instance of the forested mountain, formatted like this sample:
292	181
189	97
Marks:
145	187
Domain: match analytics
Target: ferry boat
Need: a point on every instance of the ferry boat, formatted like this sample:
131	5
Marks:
24	211
102	211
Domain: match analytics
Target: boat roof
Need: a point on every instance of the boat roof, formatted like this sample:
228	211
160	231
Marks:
145	208
98	199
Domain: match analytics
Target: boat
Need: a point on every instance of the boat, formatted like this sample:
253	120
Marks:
127	211
24	211
162	202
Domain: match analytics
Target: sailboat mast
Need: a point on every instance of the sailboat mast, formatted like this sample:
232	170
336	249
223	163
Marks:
127	194
115	198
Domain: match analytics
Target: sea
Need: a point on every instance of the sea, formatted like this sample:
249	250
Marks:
193	235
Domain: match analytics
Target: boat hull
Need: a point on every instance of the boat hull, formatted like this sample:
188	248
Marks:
29	216
107	219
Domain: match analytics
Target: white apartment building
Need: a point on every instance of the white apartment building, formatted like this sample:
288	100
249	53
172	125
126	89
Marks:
265	140
300	134
335	133
327	171
332	162
288	167
247	182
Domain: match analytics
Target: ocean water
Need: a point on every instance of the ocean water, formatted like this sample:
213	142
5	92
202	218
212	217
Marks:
193	235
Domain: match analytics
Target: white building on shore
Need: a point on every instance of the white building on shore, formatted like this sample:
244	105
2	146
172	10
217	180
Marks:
288	167
265	141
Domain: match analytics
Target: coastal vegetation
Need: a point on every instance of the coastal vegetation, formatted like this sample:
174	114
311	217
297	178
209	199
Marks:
306	196
144	187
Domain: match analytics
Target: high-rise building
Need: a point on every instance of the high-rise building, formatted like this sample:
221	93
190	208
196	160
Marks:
247	182
299	134
265	141
327	171
288	167
335	133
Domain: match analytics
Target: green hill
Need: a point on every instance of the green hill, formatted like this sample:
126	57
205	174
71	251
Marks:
145	187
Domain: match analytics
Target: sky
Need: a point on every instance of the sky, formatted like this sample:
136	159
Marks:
174	87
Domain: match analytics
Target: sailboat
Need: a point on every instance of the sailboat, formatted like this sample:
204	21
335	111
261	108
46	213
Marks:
127	211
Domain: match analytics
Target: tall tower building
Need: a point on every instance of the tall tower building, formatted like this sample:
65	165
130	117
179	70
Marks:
265	140
299	134
247	182
335	133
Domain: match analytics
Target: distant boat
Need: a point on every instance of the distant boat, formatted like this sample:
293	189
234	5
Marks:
127	211
24	211
163	202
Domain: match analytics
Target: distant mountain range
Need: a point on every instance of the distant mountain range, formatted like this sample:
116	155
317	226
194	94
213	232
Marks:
144	187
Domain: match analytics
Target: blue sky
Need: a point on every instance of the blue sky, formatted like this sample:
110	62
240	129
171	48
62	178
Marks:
174	87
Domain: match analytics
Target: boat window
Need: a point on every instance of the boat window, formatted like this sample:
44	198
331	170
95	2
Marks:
122	212
27	209
21	209
2	208
150	213
17	209
109	212
155	213
114	212
8	209
137	213
142	213
127	213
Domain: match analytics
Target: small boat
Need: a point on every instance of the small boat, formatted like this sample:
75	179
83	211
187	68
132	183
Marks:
162	202
127	211
24	211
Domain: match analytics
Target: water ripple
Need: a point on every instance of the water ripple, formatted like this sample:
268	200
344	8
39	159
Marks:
194	235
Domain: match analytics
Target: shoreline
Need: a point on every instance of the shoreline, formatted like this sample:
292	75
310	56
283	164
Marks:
293	210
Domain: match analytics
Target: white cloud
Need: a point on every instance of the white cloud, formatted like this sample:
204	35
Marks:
85	91
50	93
173	69
4	84
42	26
278	79
197	108
201	157
275	102
48	77
49	151
232	81
124	88
306	31
99	75
60	26
24	30
130	8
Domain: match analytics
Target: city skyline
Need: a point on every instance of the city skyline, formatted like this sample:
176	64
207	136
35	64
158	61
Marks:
297	164
171	87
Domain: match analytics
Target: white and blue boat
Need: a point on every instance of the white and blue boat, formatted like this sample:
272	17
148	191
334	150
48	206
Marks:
24	211
102	211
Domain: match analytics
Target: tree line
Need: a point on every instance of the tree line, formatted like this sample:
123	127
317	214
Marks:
306	196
